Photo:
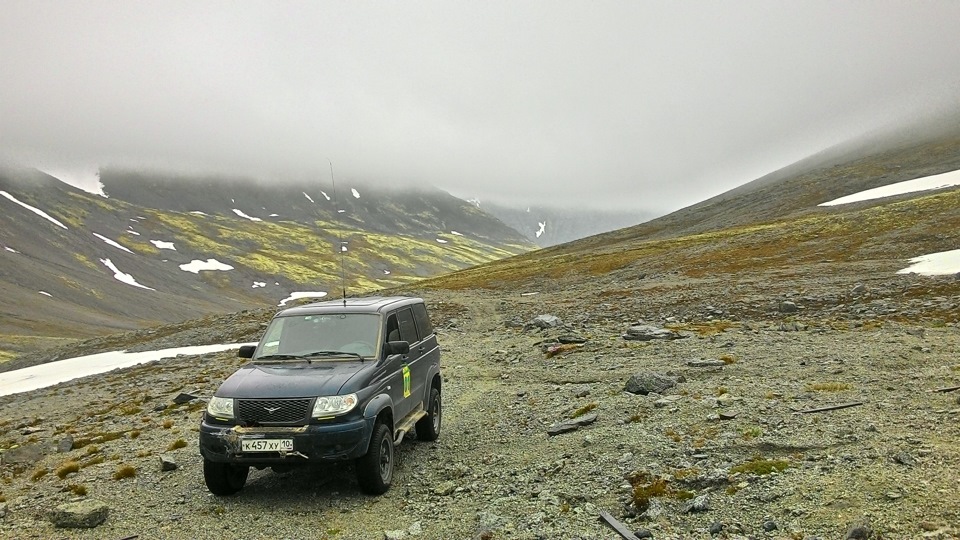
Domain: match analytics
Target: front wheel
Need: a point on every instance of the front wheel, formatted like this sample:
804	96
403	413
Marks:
224	478
375	468
428	427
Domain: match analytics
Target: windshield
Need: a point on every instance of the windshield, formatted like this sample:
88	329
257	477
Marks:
321	336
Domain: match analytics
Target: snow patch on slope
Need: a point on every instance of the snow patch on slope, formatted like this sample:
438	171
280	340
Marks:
36	211
120	276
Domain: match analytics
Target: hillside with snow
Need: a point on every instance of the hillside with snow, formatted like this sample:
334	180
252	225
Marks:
152	248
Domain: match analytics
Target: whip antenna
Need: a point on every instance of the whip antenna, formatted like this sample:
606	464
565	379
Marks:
336	205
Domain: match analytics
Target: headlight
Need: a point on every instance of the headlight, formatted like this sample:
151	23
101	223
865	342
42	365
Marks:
334	405
220	407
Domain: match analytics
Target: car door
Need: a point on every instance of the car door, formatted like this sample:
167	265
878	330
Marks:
399	371
429	361
412	386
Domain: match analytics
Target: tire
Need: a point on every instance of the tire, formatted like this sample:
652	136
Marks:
224	478
428	427
375	468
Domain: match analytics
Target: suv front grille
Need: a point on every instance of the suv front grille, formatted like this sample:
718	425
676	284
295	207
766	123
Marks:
273	411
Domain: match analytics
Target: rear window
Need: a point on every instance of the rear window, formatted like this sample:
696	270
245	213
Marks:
423	320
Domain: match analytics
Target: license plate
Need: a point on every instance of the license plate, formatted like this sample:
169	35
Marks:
266	445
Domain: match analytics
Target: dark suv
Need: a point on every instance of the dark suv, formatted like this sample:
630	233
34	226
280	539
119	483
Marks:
336	380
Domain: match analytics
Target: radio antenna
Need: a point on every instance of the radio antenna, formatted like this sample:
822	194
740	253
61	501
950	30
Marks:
336	205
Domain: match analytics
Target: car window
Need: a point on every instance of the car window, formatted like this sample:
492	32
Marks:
408	328
393	328
423	321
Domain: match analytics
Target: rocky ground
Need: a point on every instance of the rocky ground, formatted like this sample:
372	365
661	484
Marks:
540	433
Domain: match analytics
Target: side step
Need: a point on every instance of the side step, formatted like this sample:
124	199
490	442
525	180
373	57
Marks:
407	423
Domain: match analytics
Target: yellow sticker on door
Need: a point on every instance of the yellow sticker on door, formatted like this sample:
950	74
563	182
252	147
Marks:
406	381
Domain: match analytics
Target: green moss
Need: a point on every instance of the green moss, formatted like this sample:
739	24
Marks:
761	466
584	410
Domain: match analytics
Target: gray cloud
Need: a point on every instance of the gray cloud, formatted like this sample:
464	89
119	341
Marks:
651	105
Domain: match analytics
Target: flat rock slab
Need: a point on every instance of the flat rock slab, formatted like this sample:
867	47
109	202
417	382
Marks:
79	515
646	382
647	332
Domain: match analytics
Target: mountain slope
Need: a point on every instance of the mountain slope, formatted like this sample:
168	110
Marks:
771	223
96	264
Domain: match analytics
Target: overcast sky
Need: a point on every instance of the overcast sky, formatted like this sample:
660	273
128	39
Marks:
640	104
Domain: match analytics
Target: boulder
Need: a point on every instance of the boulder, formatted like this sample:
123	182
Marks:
79	515
646	382
544	321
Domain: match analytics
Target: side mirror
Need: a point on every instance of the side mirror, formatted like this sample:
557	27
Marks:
391	348
246	351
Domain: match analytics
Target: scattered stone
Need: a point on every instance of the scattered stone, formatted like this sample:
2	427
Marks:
571	425
544	322
706	363
728	415
79	515
65	444
30	430
904	458
666	401
788	307
646	382
858	289
28	454
167	463
3	510
770	526
569	339
488	521
715	528
394	535
581	391
643	534
647	332
585	420
916	332
445	488
184	398
793	326
700	503
859	531
415	529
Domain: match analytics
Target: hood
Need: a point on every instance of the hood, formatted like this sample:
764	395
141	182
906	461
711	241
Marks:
289	380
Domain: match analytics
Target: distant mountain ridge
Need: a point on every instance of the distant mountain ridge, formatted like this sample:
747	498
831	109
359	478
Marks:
549	226
131	259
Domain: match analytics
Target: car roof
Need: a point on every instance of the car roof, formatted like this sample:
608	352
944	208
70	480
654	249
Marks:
370	304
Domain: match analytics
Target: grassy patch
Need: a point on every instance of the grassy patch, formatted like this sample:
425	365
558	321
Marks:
584	410
67	468
761	466
647	486
78	489
124	471
39	473
179	443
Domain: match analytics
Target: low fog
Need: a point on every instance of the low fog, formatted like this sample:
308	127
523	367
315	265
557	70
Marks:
629	105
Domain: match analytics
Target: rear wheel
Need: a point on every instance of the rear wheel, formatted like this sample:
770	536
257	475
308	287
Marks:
224	478
428	427
375	468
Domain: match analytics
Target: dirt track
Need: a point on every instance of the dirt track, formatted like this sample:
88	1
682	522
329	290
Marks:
890	462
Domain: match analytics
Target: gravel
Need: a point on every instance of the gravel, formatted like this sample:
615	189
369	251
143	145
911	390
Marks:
726	451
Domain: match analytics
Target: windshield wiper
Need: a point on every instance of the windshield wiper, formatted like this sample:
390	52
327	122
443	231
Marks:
331	353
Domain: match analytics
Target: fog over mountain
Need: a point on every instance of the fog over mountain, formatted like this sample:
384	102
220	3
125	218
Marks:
639	106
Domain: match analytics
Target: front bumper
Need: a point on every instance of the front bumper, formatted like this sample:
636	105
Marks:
311	443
